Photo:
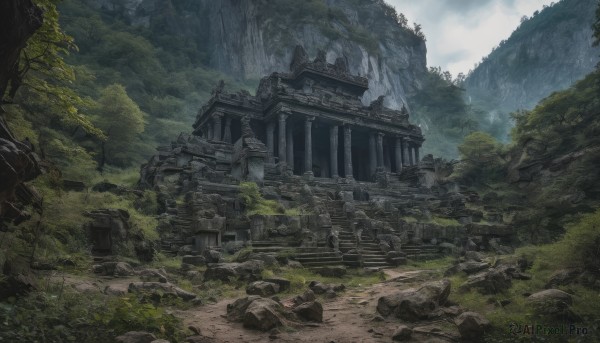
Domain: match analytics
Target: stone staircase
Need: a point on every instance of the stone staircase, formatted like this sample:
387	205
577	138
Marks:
368	253
310	257
181	222
422	252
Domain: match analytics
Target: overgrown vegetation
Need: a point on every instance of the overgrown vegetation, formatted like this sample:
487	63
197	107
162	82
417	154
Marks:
256	204
61	315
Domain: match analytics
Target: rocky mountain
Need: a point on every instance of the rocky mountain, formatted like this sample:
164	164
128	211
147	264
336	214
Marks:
547	52
249	39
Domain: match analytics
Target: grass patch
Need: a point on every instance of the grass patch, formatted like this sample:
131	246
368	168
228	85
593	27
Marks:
445	221
437	264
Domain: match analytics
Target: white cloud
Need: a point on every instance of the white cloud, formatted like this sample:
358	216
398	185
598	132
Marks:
460	32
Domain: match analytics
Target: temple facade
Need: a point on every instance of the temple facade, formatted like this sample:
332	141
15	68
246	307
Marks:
312	122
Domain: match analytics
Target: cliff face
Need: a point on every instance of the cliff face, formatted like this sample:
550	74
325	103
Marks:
548	52
252	38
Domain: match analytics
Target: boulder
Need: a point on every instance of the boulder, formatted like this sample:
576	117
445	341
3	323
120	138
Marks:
331	271
160	289
294	264
415	304
489	282
255	312
153	275
114	269
469	267
499	248
262	314
563	277
194	260
311	311
284	284
318	287
160	341
472	325
552	302
212	256
116	290
307	296
236	310
402	333
250	270
474	256
262	288
136	337
269	259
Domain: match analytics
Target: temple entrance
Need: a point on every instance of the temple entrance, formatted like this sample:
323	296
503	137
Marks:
321	156
101	240
360	156
205	240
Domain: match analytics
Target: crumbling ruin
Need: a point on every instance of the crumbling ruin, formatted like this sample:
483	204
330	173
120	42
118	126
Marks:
365	196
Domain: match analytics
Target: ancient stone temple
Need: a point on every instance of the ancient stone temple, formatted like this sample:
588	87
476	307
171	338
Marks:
349	179
313	123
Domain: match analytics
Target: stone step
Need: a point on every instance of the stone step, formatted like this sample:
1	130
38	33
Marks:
322	264
375	264
319	260
324	254
269	243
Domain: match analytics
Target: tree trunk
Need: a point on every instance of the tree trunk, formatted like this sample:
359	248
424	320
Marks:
18	21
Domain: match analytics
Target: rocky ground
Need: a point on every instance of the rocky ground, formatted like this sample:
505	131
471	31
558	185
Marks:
444	300
349	314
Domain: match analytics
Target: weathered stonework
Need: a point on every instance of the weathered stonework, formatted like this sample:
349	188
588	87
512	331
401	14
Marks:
353	173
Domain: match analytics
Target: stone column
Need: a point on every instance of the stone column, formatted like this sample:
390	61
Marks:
217	127
227	134
282	140
348	152
270	145
372	155
405	158
411	157
333	151
308	146
290	147
417	158
209	130
379	151
398	151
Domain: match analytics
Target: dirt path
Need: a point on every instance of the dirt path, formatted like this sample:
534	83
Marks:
349	318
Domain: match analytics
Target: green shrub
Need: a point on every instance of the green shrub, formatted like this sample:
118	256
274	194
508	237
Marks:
72	317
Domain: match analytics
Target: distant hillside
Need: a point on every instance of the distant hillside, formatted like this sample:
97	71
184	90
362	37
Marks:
546	53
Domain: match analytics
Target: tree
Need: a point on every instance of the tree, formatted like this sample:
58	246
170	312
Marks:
121	120
42	70
480	158
479	147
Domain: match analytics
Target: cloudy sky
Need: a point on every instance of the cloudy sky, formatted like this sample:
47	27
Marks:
460	32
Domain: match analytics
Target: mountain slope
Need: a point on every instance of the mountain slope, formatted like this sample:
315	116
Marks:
546	53
249	39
